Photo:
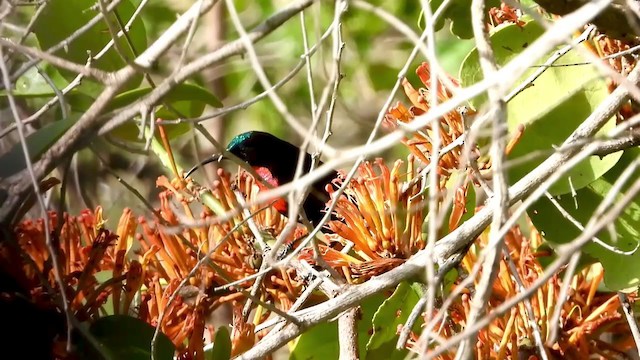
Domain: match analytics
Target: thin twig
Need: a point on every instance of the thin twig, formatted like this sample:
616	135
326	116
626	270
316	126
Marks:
497	109
101	76
627	309
53	249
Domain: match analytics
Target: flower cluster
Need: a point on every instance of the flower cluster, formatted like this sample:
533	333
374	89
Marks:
451	125
136	269
201	236
586	316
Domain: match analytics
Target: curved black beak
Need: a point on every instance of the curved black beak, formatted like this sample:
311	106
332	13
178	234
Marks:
213	158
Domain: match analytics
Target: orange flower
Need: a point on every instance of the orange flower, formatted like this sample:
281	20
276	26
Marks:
451	125
586	316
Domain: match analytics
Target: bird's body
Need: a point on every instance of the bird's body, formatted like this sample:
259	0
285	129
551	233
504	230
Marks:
275	160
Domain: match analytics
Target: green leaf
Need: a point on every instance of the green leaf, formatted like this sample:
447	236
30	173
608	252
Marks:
33	84
459	12
221	346
61	18
620	271
13	161
551	109
189	100
452	52
126	337
393	313
321	341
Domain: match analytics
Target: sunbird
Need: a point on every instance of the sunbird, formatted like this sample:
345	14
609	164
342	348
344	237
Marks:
275	160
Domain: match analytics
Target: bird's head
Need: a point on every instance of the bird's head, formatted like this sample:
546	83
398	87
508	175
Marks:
258	149
255	147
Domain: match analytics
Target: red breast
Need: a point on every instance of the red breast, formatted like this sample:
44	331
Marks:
280	204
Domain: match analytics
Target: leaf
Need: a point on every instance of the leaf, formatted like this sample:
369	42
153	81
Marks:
393	313
33	84
187	99
221	346
557	102
61	18
459	12
452	52
321	341
620	271
126	337
13	161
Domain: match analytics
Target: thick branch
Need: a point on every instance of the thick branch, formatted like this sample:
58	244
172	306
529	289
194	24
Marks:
89	124
617	20
456	240
348	335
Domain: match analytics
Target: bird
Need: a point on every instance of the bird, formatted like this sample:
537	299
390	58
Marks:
275	160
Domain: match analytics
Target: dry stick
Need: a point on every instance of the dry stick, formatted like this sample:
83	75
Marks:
65	42
506	76
592	228
53	250
434	161
307	62
550	61
604	69
35	116
258	69
531	315
124	30
631	319
562	297
113	31
580	227
189	39
296	305
32	21
348	334
245	104
348	321
570	250
468	139
497	108
97	74
629	140
264	249
330	88
89	123
446	266
278	103
230	49
457	239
